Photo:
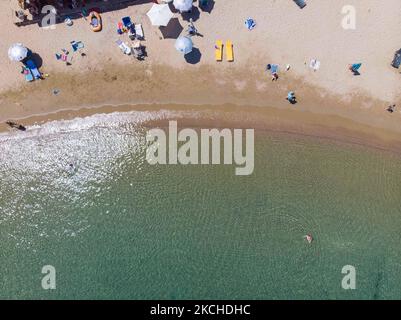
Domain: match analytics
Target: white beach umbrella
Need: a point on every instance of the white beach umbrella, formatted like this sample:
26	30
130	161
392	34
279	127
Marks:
17	52
160	14
183	5
183	45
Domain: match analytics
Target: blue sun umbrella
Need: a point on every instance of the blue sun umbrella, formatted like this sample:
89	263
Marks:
184	45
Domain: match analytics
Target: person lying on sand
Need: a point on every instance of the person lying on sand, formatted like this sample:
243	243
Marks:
15	125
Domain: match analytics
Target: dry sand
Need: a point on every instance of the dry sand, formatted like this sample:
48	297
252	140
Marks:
284	35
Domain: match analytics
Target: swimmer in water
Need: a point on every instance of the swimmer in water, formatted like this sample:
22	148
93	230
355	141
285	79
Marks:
71	169
309	238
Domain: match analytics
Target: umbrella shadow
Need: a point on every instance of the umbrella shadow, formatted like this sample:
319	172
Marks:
193	57
172	30
37	59
194	14
208	7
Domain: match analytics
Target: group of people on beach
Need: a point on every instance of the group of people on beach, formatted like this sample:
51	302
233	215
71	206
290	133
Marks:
291	98
273	68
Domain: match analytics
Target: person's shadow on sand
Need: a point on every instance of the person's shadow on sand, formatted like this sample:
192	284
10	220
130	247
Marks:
193	57
36	58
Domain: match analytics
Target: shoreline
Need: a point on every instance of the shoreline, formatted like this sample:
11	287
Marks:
332	128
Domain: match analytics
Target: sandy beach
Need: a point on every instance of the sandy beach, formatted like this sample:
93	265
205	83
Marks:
284	35
86	213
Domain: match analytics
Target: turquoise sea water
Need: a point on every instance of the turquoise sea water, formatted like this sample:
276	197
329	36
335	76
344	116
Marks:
116	227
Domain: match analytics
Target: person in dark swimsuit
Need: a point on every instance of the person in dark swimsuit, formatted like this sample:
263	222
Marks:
15	125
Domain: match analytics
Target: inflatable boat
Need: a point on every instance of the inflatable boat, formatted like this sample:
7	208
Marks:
95	21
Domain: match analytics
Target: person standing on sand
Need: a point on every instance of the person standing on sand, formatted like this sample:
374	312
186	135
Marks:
291	97
391	108
15	125
273	68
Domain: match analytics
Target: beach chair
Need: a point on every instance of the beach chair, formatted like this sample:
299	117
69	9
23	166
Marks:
219	50
32	67
229	51
139	32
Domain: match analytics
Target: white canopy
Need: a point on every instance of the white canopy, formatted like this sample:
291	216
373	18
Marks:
184	45
183	5
17	52
160	14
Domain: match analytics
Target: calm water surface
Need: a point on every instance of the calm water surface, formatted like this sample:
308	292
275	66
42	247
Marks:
116	227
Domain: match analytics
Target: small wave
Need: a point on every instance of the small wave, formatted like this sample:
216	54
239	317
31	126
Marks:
110	120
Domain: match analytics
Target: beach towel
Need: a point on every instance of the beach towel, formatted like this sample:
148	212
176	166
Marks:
300	3
30	64
250	23
219	50
76	45
124	48
139	31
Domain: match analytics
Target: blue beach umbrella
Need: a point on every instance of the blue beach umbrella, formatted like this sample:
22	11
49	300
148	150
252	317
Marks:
184	45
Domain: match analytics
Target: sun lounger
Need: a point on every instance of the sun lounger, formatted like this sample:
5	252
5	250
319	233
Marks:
219	50
32	67
229	51
139	31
